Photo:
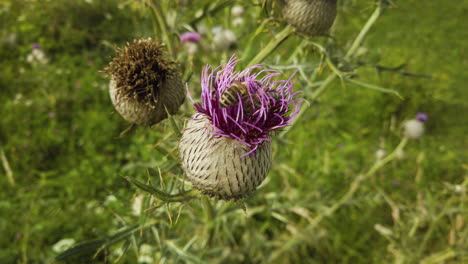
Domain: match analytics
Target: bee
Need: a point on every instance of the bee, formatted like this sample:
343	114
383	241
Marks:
237	90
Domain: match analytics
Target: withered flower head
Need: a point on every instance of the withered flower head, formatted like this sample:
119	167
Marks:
310	17
144	83
225	148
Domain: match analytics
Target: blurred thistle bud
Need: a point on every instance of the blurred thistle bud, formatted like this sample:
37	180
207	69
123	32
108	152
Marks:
310	17
225	147
237	11
190	37
238	21
422	117
190	41
380	154
224	39
37	56
143	83
413	129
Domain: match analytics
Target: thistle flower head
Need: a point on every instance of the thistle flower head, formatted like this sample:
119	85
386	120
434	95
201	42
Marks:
144	83
422	117
225	148
190	37
266	106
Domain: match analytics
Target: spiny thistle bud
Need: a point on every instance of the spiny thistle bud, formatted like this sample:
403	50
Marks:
144	83
225	148
310	17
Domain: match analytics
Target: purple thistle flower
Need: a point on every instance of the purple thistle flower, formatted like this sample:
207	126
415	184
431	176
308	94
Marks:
272	102
190	37
36	46
422	117
225	148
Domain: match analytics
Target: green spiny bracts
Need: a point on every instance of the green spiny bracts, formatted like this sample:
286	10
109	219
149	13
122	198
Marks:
310	17
144	83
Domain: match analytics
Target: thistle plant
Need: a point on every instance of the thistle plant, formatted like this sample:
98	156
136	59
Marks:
144	85
226	151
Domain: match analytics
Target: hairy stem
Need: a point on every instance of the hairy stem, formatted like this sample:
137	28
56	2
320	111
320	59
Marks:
271	46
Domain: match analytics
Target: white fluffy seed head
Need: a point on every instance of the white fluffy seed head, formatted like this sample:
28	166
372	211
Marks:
311	17
413	129
214	164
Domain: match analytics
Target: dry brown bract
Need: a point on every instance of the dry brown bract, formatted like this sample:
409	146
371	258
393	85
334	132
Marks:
143	83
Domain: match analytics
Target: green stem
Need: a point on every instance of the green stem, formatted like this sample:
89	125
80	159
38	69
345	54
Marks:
352	50
370	22
271	46
210	217
162	25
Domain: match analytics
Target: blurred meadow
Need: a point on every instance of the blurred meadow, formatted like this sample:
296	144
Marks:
345	187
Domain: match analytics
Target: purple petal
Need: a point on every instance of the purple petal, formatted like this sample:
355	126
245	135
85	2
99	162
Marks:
422	117
272	101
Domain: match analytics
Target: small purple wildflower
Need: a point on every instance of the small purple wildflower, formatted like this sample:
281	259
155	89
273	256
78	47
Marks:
190	37
274	107
36	46
52	115
422	117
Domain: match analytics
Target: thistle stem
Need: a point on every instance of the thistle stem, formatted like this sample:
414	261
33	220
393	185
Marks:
370	22
162	25
272	45
210	216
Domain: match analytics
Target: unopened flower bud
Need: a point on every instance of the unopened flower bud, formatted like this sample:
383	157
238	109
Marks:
311	17
413	129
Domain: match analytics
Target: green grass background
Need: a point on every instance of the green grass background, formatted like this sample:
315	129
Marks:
59	136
